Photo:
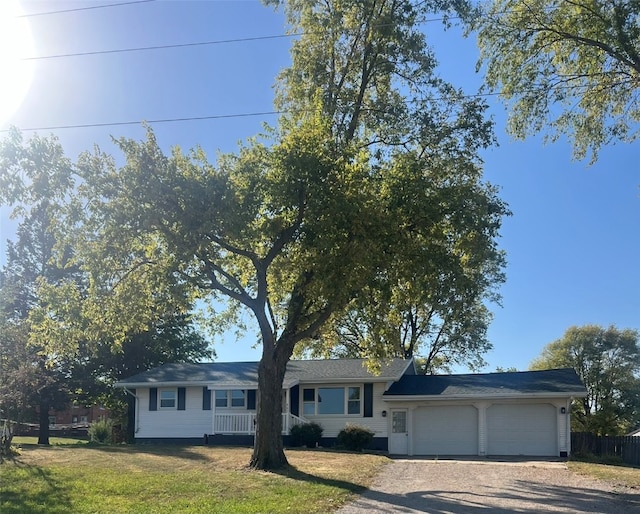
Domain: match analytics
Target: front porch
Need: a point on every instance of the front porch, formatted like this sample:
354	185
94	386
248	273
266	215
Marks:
244	423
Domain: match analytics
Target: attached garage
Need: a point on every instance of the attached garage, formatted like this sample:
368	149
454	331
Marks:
445	430
527	429
517	413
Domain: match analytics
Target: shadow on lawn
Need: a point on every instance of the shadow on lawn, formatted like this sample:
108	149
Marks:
167	450
295	474
35	490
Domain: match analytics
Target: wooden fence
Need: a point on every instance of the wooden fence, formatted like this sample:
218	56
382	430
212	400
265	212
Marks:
625	447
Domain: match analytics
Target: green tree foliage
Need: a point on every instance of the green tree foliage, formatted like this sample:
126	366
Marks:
35	178
430	304
361	169
608	362
47	354
565	67
96	368
376	78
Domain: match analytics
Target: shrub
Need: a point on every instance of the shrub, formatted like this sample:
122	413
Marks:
354	437
307	434
100	431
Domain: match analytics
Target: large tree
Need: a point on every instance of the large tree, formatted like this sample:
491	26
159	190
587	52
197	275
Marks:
430	304
565	67
45	360
608	362
34	179
294	228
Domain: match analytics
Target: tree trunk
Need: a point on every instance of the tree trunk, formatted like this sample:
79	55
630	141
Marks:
43	431
268	449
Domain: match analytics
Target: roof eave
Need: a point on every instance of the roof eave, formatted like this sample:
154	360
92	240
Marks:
130	385
501	396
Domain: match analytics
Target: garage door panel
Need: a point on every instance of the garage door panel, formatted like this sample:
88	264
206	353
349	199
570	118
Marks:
522	430
446	430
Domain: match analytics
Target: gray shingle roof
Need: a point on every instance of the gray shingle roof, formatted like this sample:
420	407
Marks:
521	383
229	374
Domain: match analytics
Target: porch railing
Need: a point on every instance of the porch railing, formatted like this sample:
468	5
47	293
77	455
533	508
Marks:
245	422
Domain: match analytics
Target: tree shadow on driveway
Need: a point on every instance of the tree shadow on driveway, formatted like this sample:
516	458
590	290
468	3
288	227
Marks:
546	499
478	489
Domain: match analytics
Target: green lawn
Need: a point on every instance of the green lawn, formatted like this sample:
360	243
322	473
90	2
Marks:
19	440
149	479
618	474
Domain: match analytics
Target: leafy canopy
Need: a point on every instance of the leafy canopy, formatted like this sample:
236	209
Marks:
374	166
608	362
565	67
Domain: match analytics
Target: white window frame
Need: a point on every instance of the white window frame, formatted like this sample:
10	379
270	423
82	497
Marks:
174	393
345	388
230	399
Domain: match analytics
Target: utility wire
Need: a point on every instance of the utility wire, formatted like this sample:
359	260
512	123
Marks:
151	122
185	119
162	47
32	15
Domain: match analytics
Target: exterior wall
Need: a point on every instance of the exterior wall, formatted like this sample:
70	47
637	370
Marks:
76	416
332	424
563	424
193	422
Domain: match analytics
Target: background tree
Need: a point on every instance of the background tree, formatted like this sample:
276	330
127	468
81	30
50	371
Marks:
96	367
608	361
565	67
42	368
293	229
34	177
430	304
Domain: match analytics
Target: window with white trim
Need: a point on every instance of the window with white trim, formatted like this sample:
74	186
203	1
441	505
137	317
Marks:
337	401
168	398
353	400
308	402
234	398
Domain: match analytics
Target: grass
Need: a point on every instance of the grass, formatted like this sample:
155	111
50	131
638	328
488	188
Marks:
54	441
619	474
177	479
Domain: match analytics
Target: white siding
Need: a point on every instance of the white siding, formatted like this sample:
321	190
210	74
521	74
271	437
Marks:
191	422
522	429
332	424
445	430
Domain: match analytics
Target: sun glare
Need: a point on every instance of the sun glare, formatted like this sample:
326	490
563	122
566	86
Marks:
16	43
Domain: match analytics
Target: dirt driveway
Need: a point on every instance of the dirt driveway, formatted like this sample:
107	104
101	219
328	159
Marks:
482	487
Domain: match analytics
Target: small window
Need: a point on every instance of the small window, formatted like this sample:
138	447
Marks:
74	419
221	399
52	420
84	419
237	398
354	401
308	402
168	399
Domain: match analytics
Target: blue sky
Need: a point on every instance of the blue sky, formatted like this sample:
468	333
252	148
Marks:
573	244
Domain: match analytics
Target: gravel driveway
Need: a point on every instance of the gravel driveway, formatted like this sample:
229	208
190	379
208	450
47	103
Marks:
483	487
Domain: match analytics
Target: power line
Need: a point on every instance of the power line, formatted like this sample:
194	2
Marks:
185	119
162	47
46	13
151	122
180	45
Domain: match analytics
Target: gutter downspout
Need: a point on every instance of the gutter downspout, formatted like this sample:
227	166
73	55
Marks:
135	409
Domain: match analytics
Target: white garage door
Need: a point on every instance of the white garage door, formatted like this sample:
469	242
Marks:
445	430
522	430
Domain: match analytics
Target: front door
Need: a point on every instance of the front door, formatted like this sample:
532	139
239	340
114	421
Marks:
399	436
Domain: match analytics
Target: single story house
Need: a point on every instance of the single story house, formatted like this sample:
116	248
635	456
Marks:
512	413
